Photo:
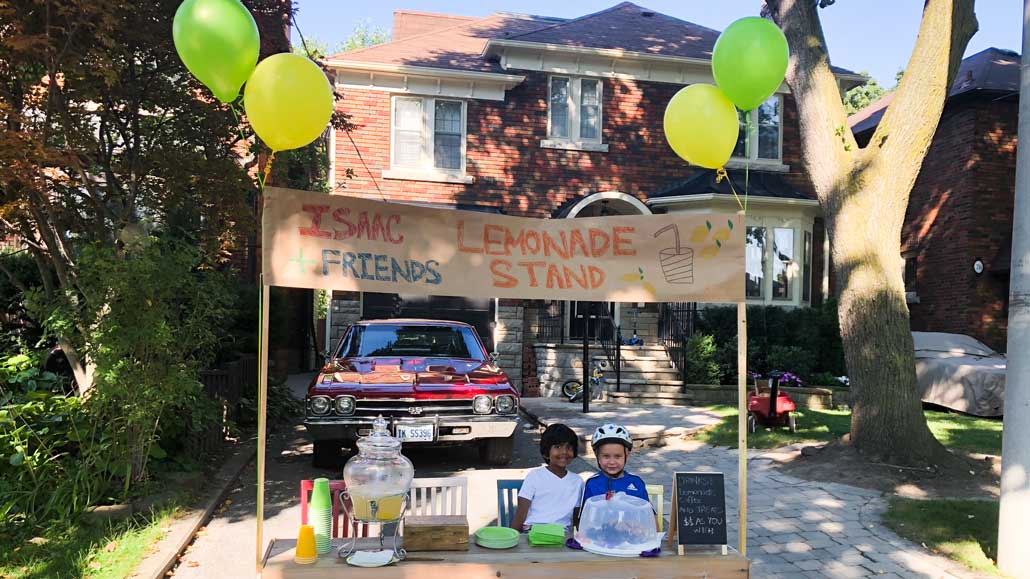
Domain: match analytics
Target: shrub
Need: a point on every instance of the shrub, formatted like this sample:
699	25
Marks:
282	406
799	340
791	359
53	460
153	315
23	373
702	367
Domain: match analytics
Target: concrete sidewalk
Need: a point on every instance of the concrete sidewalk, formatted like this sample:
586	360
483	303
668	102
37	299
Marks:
648	425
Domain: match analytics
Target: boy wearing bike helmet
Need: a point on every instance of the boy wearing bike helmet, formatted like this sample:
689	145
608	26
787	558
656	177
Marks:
612	445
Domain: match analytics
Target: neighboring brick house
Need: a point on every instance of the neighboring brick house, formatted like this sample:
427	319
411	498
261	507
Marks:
552	118
957	237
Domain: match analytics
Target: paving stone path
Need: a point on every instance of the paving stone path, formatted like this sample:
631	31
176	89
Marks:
798	528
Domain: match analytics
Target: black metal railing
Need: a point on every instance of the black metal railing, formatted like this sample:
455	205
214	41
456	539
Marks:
610	338
675	327
552	322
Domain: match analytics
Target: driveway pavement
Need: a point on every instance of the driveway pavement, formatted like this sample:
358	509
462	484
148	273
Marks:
797	528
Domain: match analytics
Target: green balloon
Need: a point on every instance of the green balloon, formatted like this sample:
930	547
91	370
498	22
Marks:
749	61
218	42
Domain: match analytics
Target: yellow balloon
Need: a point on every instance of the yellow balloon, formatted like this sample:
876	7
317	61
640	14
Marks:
288	101
701	125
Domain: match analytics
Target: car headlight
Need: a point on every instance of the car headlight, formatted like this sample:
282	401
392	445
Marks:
345	405
482	404
505	404
320	405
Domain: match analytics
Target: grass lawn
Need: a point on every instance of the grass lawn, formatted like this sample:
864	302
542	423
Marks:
963	530
813	425
83	552
956	431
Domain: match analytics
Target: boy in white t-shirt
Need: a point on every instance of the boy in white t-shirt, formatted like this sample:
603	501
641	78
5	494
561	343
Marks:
550	493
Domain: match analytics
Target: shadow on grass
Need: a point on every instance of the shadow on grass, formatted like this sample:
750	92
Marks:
78	551
959	431
955	431
813	426
963	530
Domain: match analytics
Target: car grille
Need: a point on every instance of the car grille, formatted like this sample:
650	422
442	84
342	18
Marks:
413	408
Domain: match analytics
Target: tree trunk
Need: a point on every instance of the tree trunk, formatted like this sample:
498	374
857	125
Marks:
887	422
864	195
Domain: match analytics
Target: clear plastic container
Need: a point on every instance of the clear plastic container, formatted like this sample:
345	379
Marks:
378	477
623	526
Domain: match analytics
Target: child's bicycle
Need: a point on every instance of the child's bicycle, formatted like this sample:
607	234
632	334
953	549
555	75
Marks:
573	389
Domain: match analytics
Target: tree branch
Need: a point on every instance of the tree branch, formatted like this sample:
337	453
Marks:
828	147
911	120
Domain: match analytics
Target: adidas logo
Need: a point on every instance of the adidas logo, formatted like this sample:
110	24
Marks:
631	487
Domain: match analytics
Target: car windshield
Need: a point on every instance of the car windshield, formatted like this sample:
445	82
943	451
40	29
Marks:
411	340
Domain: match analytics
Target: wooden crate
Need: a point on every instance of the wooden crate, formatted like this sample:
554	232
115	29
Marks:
436	533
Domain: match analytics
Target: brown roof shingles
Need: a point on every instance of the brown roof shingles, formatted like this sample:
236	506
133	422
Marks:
632	28
457	47
625	26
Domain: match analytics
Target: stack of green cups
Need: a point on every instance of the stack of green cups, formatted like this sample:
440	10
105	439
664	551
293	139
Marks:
320	515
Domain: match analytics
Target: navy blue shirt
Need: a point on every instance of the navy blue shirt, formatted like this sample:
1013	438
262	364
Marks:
600	484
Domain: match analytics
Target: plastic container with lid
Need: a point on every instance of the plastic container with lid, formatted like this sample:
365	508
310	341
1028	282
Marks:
622	526
378	477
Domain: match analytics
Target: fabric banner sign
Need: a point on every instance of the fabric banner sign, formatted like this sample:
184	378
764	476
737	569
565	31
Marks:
317	240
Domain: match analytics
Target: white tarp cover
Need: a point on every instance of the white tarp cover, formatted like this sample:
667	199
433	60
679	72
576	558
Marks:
960	373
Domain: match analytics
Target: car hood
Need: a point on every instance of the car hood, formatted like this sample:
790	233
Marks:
445	377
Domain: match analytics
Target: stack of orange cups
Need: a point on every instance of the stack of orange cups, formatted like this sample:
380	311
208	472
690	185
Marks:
305	554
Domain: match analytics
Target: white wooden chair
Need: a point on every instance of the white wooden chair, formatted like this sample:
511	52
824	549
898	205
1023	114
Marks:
439	496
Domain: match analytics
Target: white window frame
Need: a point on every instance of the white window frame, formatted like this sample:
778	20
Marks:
792	267
753	140
795	275
426	170
574	102
762	291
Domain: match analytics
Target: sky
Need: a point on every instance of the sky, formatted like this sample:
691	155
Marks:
875	36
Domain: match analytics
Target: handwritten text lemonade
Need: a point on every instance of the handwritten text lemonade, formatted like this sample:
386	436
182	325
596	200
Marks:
540	258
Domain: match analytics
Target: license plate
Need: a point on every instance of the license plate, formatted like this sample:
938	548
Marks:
415	433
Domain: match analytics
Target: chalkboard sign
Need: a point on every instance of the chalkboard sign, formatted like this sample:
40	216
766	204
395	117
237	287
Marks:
700	508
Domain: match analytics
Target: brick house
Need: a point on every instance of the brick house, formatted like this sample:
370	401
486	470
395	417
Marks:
957	236
553	118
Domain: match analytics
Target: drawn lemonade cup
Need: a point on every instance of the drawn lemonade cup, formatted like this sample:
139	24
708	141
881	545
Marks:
678	261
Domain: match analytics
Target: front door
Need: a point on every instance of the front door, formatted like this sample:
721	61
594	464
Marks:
583	317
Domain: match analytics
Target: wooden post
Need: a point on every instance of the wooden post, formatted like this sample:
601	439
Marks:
261	411
618	359
742	425
586	360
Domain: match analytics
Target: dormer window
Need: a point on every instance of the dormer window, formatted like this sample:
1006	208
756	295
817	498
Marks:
574	116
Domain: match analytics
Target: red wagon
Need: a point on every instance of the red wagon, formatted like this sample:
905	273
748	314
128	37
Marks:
761	408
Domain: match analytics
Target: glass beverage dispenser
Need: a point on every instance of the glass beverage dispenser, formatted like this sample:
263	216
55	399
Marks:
378	479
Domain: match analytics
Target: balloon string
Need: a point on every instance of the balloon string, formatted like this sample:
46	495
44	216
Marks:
721	174
268	171
747	158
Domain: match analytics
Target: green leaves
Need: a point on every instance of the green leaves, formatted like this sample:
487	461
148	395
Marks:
17	459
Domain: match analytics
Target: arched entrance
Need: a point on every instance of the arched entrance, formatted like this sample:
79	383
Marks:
583	316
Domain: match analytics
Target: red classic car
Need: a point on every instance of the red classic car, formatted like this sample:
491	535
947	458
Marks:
433	381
